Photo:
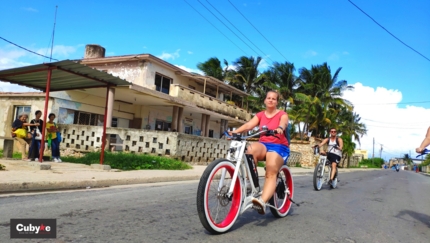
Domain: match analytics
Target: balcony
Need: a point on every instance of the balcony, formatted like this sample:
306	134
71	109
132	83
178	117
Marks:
208	102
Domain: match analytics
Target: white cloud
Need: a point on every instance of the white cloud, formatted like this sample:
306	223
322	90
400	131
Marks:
8	87
59	51
191	70
399	130
31	9
167	56
190	52
333	57
310	53
9	58
345	53
263	64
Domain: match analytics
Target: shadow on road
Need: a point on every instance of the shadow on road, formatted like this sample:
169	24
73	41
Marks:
424	218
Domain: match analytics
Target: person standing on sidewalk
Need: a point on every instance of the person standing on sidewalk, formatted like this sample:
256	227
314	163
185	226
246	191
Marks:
51	138
23	139
34	151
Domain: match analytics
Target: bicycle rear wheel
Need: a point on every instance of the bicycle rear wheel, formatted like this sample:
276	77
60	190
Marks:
318	176
283	193
218	211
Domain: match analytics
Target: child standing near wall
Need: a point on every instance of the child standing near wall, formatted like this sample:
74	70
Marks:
52	139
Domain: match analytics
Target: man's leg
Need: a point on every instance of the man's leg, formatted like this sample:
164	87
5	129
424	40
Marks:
333	170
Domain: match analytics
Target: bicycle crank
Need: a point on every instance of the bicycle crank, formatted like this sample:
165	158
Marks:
298	205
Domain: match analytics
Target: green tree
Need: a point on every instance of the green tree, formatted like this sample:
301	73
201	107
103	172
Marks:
319	83
212	67
245	76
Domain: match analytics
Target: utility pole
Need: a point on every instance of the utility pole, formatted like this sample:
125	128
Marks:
380	153
373	155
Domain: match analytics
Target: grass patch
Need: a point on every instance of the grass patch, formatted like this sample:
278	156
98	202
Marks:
16	155
128	161
2	167
371	163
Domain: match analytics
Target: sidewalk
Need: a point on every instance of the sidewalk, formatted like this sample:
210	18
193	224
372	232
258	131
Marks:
19	176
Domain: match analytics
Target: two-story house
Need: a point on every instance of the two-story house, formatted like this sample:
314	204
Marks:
162	102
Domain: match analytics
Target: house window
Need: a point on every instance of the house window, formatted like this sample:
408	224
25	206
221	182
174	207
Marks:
67	116
162	83
21	109
188	129
162	125
211	133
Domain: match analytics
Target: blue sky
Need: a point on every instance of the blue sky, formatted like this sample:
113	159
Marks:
390	78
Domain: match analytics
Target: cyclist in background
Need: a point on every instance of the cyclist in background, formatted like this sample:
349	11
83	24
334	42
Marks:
425	143
273	149
335	145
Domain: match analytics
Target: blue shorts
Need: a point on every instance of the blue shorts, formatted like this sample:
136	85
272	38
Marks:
280	149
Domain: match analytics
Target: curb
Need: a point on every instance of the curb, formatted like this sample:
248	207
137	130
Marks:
67	185
425	174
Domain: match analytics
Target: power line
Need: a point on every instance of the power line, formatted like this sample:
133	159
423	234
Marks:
227	26
215	27
388	31
25	48
240	31
257	30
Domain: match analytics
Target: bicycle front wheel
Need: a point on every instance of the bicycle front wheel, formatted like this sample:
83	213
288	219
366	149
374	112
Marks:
283	193
318	176
217	210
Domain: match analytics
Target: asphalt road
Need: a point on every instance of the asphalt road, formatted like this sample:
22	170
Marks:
371	206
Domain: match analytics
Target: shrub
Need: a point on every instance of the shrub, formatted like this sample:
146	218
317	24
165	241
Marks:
372	163
2	167
128	161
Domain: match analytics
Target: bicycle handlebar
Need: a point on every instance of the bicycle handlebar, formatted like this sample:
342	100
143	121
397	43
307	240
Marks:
237	137
424	152
316	149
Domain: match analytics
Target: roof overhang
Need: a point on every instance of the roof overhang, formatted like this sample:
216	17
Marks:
66	75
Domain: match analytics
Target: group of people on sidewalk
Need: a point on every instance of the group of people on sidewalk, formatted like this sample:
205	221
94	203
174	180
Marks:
30	133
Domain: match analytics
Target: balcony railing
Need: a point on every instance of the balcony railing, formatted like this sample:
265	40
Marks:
209	102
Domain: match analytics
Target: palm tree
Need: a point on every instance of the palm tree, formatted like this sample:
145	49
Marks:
281	77
246	76
212	67
319	83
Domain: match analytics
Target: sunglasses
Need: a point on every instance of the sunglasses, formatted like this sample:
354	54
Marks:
333	131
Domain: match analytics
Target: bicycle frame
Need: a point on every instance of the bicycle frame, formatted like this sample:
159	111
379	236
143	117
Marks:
236	154
323	160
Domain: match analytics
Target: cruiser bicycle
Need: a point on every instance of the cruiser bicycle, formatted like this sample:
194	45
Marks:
321	174
224	191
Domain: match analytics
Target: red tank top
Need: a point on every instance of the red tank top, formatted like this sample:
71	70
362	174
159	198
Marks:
272	124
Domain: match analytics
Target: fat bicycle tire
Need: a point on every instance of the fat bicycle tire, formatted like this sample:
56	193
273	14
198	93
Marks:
318	177
212	200
283	193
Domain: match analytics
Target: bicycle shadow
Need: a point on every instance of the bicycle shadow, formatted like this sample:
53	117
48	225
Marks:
423	218
252	217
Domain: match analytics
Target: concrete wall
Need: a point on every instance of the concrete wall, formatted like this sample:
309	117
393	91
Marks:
8	104
188	148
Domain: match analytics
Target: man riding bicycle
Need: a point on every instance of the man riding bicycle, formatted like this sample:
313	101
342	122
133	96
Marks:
335	145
